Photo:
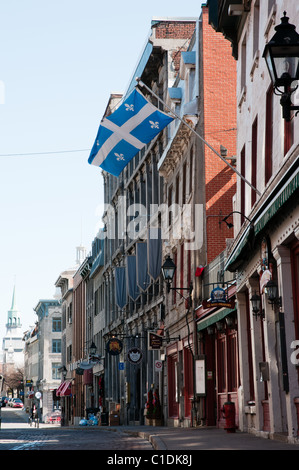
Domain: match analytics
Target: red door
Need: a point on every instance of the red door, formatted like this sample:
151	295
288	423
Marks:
227	372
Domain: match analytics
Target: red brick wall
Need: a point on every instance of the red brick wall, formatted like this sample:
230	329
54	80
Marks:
219	88
175	29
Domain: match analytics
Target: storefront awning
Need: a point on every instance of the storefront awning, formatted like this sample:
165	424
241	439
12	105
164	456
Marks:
59	389
211	319
272	205
66	390
277	202
242	245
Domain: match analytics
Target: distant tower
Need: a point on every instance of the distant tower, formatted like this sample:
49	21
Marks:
12	341
81	254
13	315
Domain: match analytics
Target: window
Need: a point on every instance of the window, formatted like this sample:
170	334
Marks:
256	27
175	278
177	189
56	346
184	183
56	324
288	135
188	381
243	167
253	160
271	3
172	386
269	134
182	268
70	313
243	64
191	171
170	202
221	358
55	373
232	362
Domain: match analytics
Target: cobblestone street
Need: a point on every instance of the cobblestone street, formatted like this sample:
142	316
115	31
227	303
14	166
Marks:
16	434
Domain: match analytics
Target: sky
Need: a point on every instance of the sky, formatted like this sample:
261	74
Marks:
59	62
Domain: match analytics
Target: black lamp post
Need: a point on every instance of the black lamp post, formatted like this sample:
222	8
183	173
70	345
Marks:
282	58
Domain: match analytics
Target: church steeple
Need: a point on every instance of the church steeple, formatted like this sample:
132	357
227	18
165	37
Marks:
13	315
13	303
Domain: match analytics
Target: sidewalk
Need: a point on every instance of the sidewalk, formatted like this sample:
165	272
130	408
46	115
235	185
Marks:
204	438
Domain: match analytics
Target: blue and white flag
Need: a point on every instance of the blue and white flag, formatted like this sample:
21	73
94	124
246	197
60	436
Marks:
125	132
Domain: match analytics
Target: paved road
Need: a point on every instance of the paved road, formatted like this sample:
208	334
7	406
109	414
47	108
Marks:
16	434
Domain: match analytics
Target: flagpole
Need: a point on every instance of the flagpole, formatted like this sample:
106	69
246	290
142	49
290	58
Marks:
140	82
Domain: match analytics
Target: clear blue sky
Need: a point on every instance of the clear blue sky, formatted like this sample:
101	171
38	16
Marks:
59	62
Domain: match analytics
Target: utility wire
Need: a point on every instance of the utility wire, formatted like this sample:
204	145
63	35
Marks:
42	153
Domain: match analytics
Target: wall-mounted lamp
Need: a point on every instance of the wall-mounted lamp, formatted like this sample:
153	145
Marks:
235	212
223	153
272	293
168	269
92	349
256	306
282	58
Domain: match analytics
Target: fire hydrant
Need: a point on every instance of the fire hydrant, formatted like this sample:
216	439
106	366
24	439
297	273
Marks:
229	415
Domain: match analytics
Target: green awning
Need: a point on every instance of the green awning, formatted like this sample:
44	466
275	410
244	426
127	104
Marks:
211	319
239	248
271	208
279	200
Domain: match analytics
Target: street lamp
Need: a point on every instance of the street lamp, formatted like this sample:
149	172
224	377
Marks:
92	349
168	270
272	293
282	58
235	212
256	306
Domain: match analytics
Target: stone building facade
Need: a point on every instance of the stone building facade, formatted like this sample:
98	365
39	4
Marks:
265	246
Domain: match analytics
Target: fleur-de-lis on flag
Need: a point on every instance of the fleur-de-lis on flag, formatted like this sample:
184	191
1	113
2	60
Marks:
119	157
154	125
129	107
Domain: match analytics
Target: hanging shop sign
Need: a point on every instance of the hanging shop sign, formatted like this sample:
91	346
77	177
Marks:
135	355
218	299
114	346
154	341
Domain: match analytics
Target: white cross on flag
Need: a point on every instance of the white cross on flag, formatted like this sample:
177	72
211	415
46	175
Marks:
125	132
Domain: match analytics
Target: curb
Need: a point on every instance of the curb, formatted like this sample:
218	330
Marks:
156	441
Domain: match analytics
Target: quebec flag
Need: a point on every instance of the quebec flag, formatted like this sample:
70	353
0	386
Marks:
125	132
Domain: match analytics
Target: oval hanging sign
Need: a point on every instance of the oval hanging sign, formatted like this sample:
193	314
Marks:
135	355
114	346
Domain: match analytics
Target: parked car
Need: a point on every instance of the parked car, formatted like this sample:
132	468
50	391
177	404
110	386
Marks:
17	403
54	417
4	401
